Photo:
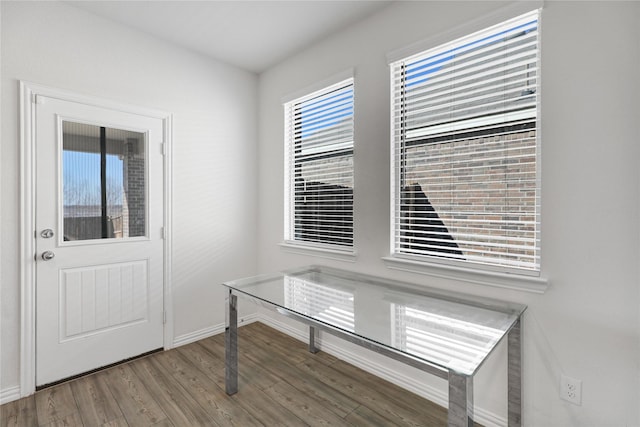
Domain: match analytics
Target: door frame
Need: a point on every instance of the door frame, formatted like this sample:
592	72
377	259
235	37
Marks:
29	93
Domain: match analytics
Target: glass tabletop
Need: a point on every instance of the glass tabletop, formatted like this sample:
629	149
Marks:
451	330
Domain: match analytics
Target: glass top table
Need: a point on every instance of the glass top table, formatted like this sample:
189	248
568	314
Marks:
444	333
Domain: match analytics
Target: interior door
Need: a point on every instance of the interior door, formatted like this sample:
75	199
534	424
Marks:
99	229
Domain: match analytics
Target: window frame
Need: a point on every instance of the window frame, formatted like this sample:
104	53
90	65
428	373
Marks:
291	242
443	266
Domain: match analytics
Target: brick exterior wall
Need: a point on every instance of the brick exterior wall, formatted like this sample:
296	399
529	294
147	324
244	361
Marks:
476	189
341	170
134	198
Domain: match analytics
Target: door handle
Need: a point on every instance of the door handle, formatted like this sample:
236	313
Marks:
48	255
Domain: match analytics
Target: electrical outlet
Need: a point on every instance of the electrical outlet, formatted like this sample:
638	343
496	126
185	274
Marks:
571	389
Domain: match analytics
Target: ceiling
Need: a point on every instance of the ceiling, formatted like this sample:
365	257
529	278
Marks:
253	35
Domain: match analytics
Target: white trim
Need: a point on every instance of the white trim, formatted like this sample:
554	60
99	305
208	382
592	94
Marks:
9	394
200	334
502	14
28	93
380	370
168	229
539	119
66	95
210	331
335	254
27	225
315	87
533	284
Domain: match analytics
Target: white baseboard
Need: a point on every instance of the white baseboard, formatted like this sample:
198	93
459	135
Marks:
209	331
433	394
9	394
197	335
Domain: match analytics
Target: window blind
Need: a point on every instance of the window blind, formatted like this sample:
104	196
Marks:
465	150
319	167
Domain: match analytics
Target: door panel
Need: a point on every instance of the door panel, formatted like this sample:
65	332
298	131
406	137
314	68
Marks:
99	189
98	299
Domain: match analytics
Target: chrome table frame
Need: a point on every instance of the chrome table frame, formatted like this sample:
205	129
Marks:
460	385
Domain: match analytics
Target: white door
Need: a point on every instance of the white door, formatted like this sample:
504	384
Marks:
99	223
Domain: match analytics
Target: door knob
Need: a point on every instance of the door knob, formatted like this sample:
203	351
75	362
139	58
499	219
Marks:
48	255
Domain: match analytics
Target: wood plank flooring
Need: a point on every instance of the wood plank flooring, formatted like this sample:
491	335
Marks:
280	384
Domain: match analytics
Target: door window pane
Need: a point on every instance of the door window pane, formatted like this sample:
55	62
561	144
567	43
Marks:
103	182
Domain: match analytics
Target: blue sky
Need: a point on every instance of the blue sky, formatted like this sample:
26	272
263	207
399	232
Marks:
81	174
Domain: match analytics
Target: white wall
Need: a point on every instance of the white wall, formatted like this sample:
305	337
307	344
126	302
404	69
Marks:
586	324
214	140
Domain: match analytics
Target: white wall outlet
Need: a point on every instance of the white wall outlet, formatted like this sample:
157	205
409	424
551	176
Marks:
571	389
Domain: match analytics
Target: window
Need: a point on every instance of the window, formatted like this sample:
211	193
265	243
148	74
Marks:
103	182
466	185
319	168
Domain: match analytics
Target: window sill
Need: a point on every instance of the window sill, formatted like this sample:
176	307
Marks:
488	278
335	254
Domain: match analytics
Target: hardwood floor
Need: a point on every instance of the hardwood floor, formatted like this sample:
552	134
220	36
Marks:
281	384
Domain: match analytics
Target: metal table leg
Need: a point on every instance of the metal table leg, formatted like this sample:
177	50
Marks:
312	340
231	345
514	375
460	400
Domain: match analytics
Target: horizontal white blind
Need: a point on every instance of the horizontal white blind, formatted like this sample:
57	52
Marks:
319	163
466	147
